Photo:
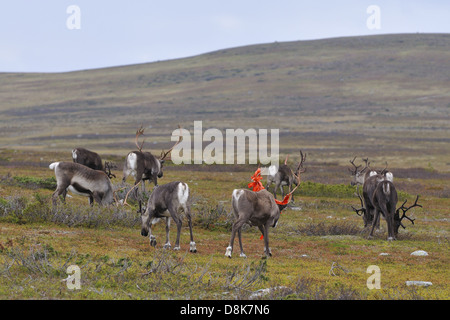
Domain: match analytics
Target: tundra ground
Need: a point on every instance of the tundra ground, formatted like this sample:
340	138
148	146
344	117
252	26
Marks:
320	248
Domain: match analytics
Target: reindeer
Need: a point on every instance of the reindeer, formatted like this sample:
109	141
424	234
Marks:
385	202
82	180
257	208
359	176
166	202
88	158
380	196
92	160
144	165
285	176
369	179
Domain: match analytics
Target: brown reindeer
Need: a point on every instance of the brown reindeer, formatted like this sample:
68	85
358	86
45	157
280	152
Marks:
380	197
369	179
285	176
82	180
92	160
385	202
88	158
166	201
144	165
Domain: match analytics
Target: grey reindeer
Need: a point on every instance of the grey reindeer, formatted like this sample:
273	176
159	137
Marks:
285	176
82	180
167	201
256	208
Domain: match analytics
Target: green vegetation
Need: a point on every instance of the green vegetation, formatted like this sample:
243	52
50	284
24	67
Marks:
319	230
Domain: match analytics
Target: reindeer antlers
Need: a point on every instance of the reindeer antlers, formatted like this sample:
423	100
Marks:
404	209
362	209
139	132
164	154
354	165
108	166
300	164
355	171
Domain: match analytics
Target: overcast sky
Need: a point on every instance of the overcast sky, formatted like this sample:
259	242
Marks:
52	36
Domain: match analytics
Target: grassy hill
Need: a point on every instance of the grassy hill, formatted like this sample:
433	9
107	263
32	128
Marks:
385	97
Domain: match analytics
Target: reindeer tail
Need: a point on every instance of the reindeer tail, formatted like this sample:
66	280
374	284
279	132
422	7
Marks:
53	165
386	189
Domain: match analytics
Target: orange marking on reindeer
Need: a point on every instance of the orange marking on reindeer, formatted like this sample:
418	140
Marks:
256	186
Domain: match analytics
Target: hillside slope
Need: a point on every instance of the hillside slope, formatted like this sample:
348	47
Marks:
381	96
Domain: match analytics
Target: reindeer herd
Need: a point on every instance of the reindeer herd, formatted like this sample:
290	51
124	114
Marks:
87	176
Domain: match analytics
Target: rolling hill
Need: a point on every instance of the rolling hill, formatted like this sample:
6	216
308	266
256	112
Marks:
386	97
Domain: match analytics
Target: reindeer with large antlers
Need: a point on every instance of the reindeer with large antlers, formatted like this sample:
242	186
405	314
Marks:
285	176
380	197
144	165
385	200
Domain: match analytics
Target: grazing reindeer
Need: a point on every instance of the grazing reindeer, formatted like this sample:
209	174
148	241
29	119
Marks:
88	158
144	165
380	196
385	202
82	180
92	160
166	202
284	176
369	179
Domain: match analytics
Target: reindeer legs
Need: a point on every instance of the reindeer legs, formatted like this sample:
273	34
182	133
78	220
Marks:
374	223
177	219
187	212
237	226
167	244
265	232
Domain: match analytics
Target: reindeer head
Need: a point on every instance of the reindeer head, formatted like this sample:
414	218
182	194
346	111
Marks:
358	175
144	219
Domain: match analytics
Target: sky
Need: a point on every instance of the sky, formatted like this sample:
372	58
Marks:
70	35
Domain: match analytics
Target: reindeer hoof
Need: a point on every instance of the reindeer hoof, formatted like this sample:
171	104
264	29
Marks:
242	255
177	248
391	239
167	245
192	247
228	252
153	242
